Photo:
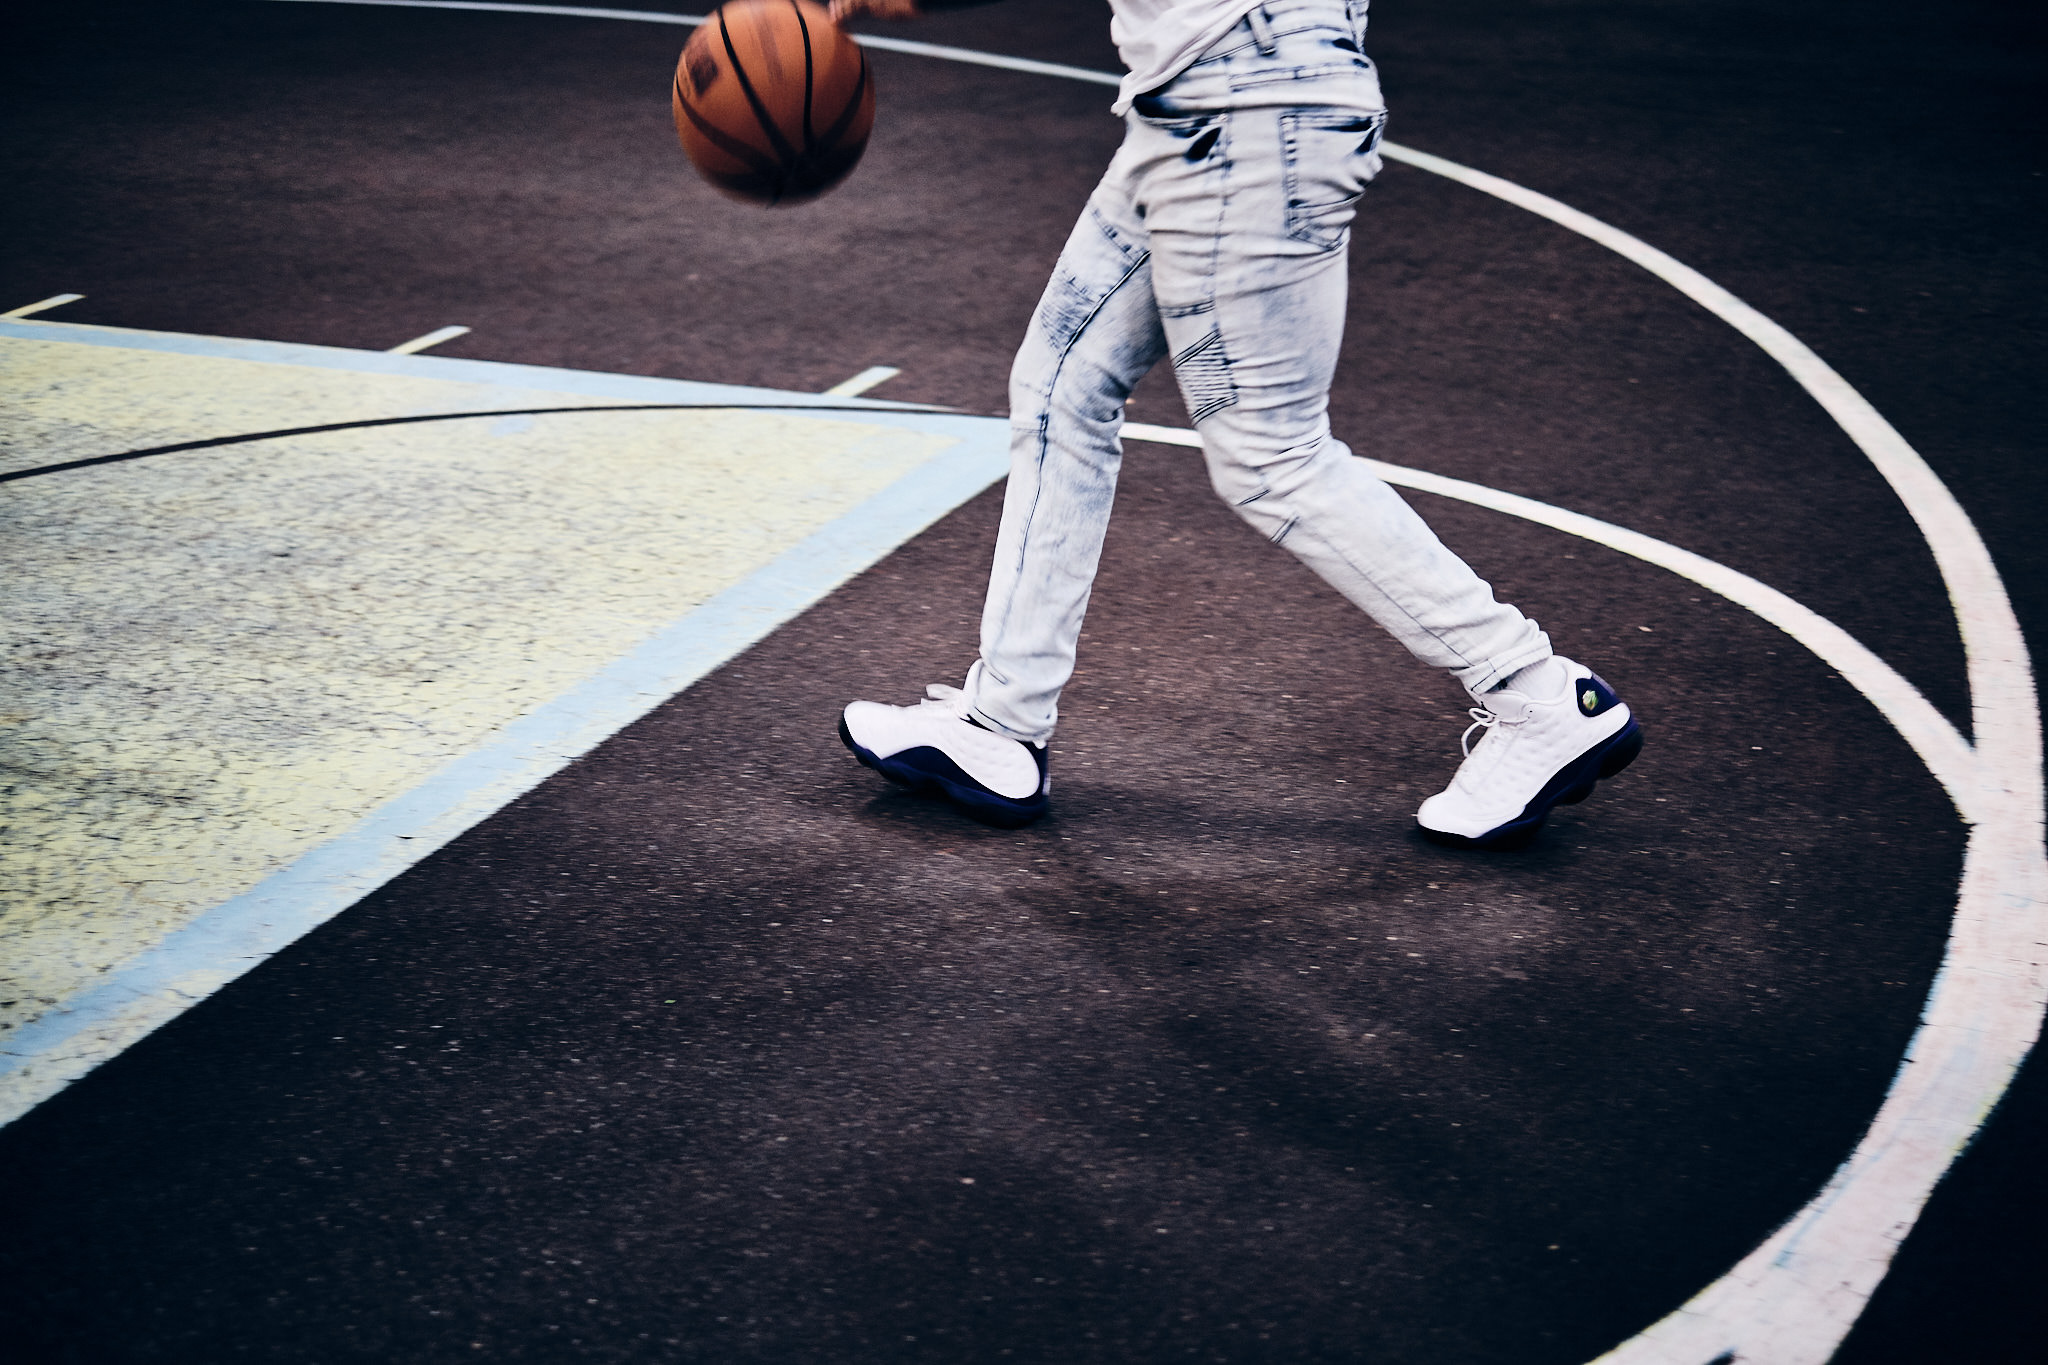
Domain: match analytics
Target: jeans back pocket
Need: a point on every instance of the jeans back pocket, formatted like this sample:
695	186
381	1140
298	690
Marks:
1331	155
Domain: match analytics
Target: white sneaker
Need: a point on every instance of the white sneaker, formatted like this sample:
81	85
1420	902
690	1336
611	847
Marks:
1537	752
937	746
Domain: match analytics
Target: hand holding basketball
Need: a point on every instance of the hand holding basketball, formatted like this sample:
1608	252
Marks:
773	102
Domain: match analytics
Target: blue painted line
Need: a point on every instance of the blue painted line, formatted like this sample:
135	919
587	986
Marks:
589	383
227	941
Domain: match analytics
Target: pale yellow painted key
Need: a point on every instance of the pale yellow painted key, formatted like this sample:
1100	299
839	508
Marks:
212	662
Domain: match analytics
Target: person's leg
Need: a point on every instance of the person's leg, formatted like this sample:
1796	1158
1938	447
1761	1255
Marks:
1248	242
1095	334
1249	269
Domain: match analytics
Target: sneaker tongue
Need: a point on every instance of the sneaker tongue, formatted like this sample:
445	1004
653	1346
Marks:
952	699
1511	707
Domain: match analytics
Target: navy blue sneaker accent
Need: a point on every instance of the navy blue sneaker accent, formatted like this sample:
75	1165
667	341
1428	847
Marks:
925	768
1595	697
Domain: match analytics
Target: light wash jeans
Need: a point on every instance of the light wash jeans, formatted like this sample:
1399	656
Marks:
1218	237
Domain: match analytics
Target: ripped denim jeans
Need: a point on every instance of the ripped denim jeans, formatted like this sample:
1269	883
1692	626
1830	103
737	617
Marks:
1218	237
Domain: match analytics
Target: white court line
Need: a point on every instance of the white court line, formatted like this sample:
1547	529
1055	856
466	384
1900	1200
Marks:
2001	677
1793	1299
42	305
1945	752
433	338
950	54
862	382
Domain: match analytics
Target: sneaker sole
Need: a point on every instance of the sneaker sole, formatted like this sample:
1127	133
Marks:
1573	783
973	802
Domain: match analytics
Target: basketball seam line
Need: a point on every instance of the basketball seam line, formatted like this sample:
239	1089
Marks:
724	141
830	142
780	143
810	76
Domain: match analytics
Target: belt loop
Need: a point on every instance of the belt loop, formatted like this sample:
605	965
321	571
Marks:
1261	25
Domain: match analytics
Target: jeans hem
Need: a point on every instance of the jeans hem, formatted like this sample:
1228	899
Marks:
1482	677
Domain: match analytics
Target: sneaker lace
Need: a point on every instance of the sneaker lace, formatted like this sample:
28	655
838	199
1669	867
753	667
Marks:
1482	719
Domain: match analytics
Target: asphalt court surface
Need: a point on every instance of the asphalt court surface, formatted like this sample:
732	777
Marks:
710	1049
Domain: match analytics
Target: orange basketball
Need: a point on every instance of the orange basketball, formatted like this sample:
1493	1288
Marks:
773	101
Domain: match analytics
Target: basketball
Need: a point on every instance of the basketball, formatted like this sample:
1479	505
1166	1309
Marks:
773	102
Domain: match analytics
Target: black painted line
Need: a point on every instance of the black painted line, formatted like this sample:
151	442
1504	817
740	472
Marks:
283	432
